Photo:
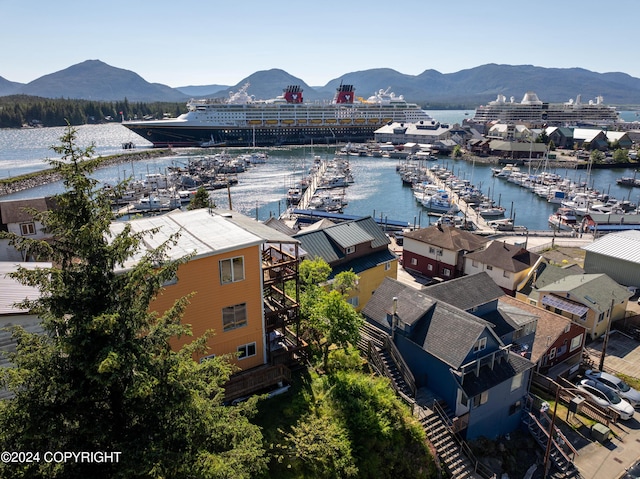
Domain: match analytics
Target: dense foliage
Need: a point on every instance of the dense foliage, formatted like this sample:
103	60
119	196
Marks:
103	377
20	110
346	424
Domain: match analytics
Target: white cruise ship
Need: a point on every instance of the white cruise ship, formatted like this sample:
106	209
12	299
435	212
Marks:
241	120
533	111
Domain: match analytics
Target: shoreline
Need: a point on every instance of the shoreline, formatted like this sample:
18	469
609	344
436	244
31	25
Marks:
44	177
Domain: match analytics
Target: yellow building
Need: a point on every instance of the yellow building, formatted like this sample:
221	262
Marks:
359	245
225	274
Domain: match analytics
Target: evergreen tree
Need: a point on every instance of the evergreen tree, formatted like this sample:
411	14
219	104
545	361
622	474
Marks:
103	377
200	200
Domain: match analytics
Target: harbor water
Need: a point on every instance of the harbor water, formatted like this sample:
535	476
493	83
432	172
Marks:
261	191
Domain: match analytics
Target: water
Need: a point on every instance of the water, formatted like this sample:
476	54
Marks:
377	191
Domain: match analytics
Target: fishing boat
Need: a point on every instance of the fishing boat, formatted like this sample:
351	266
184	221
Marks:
241	120
563	219
629	181
440	202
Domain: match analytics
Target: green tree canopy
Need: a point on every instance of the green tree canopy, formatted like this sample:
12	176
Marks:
104	377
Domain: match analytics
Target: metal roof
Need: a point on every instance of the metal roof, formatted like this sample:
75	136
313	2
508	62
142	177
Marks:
200	233
624	245
11	291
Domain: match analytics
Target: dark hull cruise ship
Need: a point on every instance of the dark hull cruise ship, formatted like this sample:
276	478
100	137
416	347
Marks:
241	120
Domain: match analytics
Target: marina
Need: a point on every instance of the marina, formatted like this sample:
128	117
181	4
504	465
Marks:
378	190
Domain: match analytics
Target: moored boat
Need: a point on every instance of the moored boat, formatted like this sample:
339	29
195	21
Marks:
241	120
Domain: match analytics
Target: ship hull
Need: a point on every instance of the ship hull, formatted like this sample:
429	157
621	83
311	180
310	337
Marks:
168	135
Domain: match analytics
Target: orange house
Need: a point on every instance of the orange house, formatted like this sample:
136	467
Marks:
225	275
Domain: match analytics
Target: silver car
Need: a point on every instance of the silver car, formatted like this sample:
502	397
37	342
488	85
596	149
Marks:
606	399
608	381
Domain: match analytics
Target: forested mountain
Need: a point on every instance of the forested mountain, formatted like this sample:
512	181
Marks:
95	80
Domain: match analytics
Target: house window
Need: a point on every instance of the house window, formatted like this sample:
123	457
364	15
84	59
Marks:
246	350
601	317
234	317
354	301
27	229
350	250
446	272
429	267
205	358
387	266
552	353
414	261
480	345
480	399
474	263
514	408
231	270
489	267
516	382
576	342
432	250
506	274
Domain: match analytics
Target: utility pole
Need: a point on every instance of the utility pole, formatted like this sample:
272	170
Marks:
606	335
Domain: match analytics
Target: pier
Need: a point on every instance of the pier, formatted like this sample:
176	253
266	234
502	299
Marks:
314	181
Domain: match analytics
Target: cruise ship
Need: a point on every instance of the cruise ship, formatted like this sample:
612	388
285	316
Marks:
241	120
538	113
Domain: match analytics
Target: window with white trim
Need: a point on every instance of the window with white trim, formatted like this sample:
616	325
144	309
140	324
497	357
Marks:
446	272
480	345
414	261
552	353
354	301
246	350
231	270
27	229
387	266
350	250
480	399
234	317
516	382
576	342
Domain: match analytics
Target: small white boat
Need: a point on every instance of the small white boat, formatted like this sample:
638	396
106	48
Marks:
439	202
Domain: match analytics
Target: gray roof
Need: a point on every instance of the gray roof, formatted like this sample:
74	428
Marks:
16	211
624	245
500	372
447	237
505	256
270	235
466	292
594	290
441	329
330	242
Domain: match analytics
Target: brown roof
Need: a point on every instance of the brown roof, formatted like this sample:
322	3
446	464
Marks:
15	211
550	326
448	237
505	256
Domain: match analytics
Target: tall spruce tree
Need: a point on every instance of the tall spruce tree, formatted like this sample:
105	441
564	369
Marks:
103	376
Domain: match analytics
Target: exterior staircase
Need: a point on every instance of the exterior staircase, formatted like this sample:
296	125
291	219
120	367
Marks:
562	465
457	464
386	360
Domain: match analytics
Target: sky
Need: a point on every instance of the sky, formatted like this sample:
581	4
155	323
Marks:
187	42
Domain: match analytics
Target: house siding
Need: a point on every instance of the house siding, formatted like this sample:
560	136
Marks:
370	280
493	418
204	312
428	263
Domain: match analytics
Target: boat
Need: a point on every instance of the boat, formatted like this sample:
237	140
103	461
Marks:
564	219
241	120
439	202
629	181
489	210
533	111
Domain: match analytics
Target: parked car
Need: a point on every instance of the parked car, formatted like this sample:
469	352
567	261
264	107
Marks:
609	381
606	399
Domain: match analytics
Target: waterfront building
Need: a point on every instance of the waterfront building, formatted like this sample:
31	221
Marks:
454	356
237	271
507	265
360	246
438	251
617	255
424	132
17	217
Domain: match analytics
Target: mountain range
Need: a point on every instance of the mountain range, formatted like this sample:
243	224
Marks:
98	81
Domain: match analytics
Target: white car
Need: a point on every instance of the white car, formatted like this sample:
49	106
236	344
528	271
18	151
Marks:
606	399
609	381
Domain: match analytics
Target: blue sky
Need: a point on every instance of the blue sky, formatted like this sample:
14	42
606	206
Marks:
188	42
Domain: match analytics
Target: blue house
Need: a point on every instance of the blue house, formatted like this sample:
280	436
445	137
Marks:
456	355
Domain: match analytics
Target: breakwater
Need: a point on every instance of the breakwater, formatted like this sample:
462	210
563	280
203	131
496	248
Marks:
44	177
